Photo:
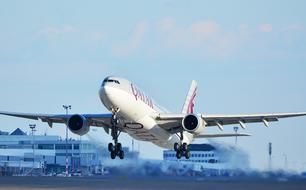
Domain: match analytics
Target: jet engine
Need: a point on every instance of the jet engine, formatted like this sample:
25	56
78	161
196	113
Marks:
78	124
193	124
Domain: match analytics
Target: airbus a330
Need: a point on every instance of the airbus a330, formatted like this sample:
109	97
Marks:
135	113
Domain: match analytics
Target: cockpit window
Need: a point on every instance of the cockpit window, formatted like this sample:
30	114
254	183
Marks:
110	81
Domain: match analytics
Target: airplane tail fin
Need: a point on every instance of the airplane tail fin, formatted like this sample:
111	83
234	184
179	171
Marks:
190	98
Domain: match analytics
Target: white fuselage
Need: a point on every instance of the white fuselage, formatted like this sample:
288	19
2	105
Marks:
139	110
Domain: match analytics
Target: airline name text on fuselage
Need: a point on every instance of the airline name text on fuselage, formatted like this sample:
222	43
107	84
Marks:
141	96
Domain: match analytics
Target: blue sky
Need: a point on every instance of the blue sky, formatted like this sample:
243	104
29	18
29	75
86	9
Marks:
248	57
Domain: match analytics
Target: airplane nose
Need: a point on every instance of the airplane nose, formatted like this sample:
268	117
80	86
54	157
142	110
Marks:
104	91
105	95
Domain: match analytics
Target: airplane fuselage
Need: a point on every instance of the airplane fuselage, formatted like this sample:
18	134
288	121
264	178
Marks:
135	106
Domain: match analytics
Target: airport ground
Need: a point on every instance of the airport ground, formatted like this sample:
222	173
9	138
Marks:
134	183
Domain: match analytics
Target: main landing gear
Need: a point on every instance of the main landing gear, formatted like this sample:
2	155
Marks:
181	148
116	148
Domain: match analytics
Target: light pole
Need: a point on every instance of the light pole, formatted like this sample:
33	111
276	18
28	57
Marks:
270	156
67	107
286	161
32	127
236	131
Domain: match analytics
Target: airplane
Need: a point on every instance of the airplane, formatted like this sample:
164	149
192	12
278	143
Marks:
135	113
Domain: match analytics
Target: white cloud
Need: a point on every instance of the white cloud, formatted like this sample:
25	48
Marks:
98	36
244	30
194	35
166	24
68	29
226	45
54	31
294	27
126	48
266	28
204	29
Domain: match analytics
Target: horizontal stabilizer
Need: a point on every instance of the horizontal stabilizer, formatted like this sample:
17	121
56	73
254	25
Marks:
222	135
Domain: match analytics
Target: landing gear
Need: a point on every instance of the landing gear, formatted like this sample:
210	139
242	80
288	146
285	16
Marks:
116	148
178	154
181	148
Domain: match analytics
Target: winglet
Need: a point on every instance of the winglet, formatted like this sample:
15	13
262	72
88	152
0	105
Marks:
190	98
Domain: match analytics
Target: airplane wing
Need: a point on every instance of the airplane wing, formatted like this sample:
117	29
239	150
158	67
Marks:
174	121
98	120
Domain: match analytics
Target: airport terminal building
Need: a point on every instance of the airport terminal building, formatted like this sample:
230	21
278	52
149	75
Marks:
199	153
210	158
49	152
17	155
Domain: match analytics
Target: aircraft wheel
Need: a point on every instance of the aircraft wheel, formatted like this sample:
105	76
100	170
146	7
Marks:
184	146
110	147
119	146
121	154
187	154
113	154
176	146
178	155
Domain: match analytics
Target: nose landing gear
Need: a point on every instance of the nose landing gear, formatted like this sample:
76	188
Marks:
116	148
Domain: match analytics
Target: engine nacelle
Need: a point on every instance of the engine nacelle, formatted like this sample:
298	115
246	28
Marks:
193	124
78	124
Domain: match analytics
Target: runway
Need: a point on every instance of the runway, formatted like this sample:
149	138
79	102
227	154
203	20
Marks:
131	183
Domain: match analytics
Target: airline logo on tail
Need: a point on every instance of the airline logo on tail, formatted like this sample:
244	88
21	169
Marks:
191	102
188	107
